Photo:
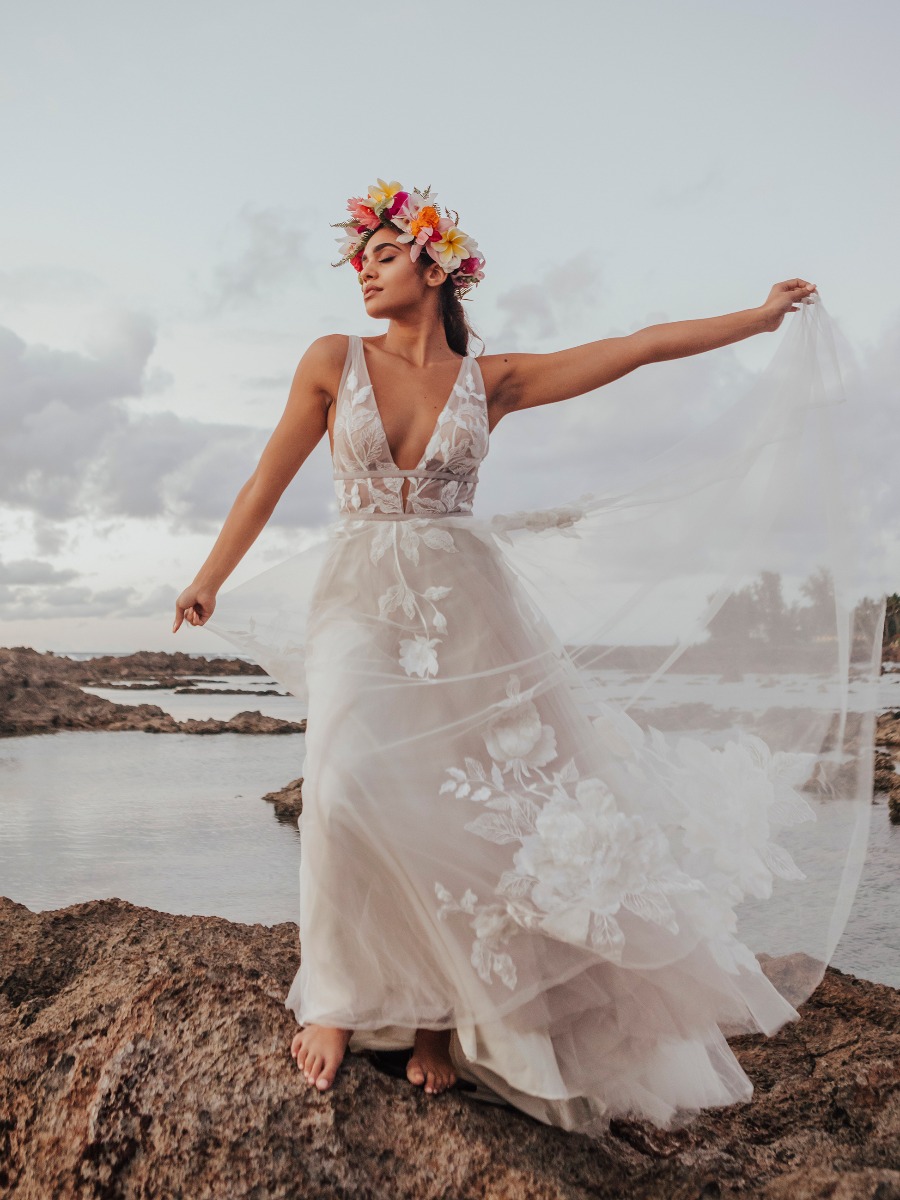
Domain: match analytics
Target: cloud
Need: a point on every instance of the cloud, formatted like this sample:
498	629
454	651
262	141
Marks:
544	308
267	252
53	602
33	571
72	447
58	407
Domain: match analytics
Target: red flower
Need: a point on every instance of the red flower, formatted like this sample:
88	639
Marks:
356	261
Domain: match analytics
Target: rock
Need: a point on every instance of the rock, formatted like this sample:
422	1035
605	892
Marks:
40	693
146	1054
243	722
288	801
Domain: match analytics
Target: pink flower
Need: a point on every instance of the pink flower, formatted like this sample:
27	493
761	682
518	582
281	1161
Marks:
469	266
397	203
363	212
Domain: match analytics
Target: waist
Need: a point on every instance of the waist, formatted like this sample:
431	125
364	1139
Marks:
350	515
415	473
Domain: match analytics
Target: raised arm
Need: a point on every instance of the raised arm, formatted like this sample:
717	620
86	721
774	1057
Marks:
526	380
297	433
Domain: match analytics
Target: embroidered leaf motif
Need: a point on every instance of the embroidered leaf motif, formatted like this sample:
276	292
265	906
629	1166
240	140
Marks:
475	769
438	539
409	543
651	905
780	862
495	828
512	883
606	935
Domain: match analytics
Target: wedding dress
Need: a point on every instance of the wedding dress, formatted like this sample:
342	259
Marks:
591	892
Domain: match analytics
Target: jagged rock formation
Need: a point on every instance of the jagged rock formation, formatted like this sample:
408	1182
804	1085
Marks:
147	1055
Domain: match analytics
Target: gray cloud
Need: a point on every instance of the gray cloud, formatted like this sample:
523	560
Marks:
71	447
33	571
269	252
49	602
58	407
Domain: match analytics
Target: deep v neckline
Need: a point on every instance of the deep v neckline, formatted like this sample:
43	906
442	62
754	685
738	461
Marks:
437	423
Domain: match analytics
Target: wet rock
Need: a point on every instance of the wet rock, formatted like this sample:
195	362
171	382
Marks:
146	1054
288	801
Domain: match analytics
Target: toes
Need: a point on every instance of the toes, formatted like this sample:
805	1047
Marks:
414	1072
429	1082
323	1082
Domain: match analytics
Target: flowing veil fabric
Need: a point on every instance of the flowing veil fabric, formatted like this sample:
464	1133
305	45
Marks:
592	852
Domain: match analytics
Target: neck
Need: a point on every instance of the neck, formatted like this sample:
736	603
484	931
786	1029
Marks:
418	337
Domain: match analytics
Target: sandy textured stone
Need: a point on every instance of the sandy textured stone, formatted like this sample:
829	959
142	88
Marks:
147	1055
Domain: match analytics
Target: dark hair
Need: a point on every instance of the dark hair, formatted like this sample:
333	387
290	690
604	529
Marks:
456	324
457	329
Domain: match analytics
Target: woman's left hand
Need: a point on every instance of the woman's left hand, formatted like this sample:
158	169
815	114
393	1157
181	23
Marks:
784	298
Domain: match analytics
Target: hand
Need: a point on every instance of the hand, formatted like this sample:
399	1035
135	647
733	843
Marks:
784	298
195	604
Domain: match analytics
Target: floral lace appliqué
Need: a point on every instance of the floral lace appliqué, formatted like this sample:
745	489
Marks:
418	654
580	859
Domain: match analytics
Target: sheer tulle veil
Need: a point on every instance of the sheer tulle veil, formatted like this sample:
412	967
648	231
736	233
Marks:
750	536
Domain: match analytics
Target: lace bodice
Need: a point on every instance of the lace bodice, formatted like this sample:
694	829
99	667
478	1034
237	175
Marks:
366	478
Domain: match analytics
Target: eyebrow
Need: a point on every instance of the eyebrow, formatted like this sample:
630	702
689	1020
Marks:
380	246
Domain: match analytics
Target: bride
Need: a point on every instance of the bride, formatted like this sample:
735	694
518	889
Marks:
505	872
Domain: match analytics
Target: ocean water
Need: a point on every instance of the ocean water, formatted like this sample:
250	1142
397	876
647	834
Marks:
177	822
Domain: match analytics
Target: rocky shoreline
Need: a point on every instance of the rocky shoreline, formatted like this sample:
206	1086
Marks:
43	693
147	1054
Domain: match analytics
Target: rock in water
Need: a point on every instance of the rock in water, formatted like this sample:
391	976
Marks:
146	1054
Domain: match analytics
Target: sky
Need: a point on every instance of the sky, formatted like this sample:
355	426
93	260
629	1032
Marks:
170	176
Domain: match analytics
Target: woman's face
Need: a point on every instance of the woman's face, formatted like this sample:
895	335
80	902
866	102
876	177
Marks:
391	281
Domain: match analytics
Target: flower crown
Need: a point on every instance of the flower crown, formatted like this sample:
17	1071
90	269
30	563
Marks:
419	221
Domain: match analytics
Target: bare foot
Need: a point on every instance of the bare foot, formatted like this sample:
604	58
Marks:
319	1050
430	1063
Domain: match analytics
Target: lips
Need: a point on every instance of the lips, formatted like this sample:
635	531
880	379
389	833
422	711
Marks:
369	291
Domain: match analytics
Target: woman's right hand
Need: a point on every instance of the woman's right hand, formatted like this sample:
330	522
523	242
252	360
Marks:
196	604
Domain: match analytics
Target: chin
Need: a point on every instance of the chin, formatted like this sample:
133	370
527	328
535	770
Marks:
376	306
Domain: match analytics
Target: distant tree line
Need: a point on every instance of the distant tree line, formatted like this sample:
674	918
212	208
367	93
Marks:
759	619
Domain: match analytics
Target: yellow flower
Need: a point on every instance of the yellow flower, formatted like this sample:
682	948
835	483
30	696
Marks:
451	248
382	193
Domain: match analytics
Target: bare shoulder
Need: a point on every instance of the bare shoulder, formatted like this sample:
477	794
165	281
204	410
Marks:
322	365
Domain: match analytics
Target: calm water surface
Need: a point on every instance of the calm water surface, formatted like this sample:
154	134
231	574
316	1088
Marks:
177	823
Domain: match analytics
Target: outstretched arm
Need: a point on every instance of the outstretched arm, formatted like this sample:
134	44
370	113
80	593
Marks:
526	380
302	425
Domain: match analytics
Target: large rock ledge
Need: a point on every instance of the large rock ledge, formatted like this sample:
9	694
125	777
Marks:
43	693
147	1055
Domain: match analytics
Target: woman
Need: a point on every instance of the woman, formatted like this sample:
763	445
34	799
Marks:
497	865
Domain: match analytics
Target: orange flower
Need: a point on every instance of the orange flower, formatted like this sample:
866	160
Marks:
425	218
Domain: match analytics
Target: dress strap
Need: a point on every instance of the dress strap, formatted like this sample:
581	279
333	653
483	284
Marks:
350	360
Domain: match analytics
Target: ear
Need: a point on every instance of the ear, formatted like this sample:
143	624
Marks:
434	274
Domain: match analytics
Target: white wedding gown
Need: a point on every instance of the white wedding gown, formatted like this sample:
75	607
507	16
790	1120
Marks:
488	844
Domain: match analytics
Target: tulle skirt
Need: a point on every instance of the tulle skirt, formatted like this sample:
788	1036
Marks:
478	853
